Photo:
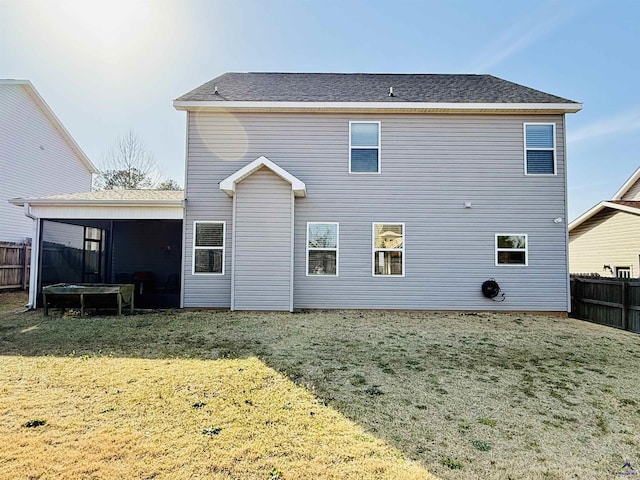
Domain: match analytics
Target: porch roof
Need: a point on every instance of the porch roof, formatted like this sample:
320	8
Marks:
106	204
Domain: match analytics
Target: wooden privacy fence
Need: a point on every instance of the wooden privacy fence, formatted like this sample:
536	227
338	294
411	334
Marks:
14	265
608	301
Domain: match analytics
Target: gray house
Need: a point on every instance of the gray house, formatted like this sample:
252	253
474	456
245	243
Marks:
374	191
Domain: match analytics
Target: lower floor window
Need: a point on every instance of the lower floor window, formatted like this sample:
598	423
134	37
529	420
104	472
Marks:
623	272
208	247
322	248
511	249
388	249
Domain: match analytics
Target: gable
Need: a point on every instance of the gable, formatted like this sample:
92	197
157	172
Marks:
228	185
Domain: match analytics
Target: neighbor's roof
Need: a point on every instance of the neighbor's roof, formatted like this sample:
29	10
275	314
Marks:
369	88
108	197
632	207
55	121
631	181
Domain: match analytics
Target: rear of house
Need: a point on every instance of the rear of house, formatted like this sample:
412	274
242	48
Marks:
374	191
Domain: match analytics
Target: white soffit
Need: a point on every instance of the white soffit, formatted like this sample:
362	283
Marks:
228	185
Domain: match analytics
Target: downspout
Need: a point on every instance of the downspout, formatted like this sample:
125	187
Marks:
35	255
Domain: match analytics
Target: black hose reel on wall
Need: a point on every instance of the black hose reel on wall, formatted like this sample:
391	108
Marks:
492	291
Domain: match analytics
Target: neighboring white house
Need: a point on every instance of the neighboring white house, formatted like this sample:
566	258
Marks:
38	156
606	239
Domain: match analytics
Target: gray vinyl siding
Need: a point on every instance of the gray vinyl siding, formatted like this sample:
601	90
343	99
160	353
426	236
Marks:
430	165
35	160
262	265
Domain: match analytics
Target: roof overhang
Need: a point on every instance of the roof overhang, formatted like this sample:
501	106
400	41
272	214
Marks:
378	107
228	185
627	185
101	209
598	208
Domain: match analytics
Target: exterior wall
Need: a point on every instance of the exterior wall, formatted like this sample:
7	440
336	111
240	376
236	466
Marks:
608	238
35	160
262	261
430	165
633	193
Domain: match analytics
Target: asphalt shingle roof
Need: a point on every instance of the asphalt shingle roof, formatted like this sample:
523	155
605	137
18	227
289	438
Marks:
117	195
366	87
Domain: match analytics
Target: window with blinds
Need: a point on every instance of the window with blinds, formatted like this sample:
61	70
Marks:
208	248
540	148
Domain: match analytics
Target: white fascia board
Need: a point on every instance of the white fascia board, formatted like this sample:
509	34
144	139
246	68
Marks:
627	185
228	185
97	203
425	107
55	121
598	208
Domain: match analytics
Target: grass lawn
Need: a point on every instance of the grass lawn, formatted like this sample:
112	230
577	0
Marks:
325	394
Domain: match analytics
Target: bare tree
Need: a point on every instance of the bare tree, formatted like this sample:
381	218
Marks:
128	165
169	184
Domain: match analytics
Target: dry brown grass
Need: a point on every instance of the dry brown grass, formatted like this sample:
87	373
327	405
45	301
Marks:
141	418
498	395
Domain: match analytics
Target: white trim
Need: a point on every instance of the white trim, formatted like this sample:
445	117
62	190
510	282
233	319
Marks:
232	303
184	214
96	203
291	255
55	121
546	149
336	249
194	247
228	185
367	147
35	261
374	249
627	185
502	249
598	208
566	214
617	268
357	107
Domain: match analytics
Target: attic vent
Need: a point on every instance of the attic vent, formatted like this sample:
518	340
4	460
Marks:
215	90
391	91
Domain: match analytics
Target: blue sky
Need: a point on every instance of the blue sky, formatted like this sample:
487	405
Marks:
106	67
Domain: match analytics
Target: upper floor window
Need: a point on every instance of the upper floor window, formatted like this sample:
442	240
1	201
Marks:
388	249
540	148
364	147
322	248
511	249
208	247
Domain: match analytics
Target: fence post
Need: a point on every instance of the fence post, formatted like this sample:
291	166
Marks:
23	257
625	305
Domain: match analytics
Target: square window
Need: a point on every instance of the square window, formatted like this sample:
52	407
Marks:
388	249
540	149
511	249
208	247
322	248
364	147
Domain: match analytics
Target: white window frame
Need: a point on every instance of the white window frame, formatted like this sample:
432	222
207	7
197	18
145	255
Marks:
379	147
374	250
324	249
525	250
619	268
546	149
223	248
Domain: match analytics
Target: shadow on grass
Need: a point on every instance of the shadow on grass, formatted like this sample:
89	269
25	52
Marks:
469	396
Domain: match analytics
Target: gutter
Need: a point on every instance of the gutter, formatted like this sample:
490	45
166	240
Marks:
35	251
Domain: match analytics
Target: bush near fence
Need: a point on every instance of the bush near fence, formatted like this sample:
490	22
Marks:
608	301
